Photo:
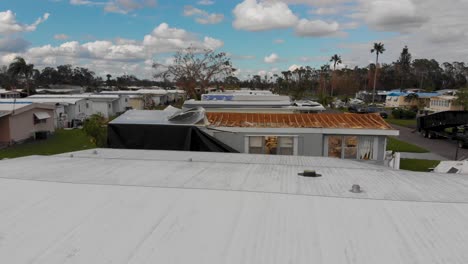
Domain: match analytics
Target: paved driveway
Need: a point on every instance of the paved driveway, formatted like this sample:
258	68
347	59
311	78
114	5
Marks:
443	147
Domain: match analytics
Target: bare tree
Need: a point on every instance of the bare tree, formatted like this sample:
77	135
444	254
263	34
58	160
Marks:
192	68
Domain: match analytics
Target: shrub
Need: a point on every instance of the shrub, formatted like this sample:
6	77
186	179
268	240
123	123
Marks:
403	114
96	128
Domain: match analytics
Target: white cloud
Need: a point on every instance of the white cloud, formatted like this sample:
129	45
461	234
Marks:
392	15
161	40
349	25
253	15
294	67
167	39
84	2
326	11
13	44
116	57
442	37
203	17
317	2
205	2
9	25
273	58
61	36
316	28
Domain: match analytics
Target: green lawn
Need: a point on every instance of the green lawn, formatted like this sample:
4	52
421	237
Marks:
401	146
418	165
411	123
62	141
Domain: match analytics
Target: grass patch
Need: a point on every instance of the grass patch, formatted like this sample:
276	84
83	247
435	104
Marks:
62	141
418	165
411	123
396	145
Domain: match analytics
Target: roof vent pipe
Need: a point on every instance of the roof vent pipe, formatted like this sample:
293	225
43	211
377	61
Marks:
310	173
356	189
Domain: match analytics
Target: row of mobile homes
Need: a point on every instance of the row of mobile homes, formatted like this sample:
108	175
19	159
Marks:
251	101
68	111
61	89
409	99
20	121
444	103
7	94
142	98
107	105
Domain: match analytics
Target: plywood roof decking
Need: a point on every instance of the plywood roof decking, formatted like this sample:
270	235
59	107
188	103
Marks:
354	121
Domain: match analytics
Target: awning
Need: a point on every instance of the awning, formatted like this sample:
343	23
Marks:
41	115
4	113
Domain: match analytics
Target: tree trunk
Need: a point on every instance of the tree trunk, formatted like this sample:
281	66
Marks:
375	77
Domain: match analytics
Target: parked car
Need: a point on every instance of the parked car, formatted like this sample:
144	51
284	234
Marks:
380	110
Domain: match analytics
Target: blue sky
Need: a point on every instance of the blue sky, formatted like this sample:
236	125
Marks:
261	36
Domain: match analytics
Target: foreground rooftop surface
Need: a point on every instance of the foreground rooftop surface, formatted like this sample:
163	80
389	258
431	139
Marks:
132	206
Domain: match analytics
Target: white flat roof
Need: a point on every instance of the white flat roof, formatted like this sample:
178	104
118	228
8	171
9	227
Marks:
53	100
143	117
4	91
10	105
130	206
83	95
138	92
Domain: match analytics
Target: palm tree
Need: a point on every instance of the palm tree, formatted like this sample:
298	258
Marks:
324	70
336	59
378	49
108	82
19	68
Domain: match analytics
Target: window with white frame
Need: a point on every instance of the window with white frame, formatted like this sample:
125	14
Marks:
271	145
351	147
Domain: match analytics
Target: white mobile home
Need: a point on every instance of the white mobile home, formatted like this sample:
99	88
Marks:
143	98
342	136
108	105
20	121
8	94
67	110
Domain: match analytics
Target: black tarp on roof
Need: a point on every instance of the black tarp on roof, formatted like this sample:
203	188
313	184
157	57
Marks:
163	137
170	129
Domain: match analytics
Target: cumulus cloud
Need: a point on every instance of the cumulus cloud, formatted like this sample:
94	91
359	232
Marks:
13	44
294	67
392	15
253	15
203	17
119	56
316	28
162	39
9	25
166	39
61	36
318	2
273	58
326	11
442	37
